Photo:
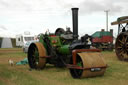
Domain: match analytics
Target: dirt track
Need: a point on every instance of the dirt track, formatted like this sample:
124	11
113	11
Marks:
3	50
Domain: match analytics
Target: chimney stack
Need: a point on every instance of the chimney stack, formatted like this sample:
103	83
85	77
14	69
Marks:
75	22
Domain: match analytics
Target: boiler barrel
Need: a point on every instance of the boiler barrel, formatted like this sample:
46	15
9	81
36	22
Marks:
64	49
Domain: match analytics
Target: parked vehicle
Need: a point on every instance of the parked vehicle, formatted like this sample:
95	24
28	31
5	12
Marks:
64	48
121	44
24	40
103	39
26	46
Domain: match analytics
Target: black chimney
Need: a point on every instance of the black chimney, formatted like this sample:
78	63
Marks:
75	22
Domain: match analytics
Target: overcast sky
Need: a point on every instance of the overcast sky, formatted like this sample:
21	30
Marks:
36	16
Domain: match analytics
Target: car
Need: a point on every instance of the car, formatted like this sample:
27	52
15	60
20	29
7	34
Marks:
26	46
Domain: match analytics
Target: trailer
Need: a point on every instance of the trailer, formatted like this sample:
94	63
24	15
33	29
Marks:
24	40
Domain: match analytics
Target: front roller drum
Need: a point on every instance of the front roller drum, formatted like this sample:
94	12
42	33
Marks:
121	46
88	64
36	54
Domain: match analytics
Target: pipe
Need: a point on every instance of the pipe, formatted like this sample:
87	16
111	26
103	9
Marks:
75	22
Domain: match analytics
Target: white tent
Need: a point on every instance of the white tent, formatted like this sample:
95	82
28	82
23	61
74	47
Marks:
6	43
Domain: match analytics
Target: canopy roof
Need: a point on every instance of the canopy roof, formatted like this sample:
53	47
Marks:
120	20
99	34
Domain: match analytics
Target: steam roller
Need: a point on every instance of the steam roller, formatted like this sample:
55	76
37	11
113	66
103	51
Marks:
64	49
121	45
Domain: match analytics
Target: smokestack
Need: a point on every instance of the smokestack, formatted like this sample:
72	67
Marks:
75	22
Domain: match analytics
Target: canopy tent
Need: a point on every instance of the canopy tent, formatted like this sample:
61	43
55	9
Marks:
6	43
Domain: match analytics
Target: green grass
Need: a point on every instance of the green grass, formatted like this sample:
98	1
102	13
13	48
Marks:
17	77
116	73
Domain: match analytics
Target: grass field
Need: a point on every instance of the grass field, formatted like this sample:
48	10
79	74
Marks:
116	73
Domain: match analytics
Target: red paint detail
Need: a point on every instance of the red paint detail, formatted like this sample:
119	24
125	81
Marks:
103	39
78	67
52	35
54	41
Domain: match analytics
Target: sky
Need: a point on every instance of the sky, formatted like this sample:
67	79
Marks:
36	16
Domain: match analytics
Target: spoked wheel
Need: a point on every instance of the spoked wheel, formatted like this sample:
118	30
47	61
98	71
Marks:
121	46
36	52
77	73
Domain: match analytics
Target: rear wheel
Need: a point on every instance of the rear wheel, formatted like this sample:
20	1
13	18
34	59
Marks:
121	46
36	52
